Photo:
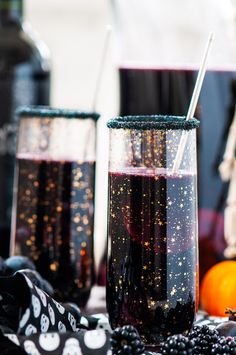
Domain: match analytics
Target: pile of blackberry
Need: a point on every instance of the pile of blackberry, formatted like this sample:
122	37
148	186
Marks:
201	340
178	344
204	338
126	341
224	346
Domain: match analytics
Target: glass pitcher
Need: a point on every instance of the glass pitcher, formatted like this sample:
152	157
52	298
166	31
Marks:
158	50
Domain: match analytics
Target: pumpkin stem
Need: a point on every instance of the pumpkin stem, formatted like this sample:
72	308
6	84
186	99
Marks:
230	311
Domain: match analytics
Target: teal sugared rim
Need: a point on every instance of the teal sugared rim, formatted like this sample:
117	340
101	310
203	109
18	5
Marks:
49	112
148	122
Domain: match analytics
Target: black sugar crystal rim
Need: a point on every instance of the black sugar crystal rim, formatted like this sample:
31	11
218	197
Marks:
149	122
49	112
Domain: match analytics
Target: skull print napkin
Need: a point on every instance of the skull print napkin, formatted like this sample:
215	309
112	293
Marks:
82	342
34	323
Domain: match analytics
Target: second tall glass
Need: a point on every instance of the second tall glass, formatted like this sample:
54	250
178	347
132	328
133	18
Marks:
152	277
53	209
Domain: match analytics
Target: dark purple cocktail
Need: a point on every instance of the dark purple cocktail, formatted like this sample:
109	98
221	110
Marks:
54	222
150	260
152	277
53	214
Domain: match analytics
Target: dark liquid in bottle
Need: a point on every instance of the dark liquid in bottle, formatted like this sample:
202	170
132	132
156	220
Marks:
54	223
24	80
168	91
152	257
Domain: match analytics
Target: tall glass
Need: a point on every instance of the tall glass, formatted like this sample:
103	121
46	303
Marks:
152	277
53	208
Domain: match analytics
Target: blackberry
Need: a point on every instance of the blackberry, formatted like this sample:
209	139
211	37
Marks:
177	344
126	340
15	263
224	346
204	339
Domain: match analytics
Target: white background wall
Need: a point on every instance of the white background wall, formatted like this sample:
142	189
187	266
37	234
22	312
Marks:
74	31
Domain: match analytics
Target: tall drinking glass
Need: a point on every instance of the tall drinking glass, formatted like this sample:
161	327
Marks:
152	277
53	209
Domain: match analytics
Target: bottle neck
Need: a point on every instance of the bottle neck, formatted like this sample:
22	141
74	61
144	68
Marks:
11	12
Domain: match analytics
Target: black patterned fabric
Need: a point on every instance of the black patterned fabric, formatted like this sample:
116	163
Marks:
77	343
32	322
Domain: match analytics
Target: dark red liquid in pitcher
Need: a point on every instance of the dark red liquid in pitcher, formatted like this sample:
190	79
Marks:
168	91
54	223
152	252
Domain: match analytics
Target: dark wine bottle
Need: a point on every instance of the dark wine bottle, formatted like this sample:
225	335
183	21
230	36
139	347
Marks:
24	80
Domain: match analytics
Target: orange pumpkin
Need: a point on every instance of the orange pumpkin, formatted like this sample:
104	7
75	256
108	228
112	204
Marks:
218	288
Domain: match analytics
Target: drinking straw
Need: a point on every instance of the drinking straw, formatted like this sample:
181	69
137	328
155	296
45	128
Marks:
193	103
101	67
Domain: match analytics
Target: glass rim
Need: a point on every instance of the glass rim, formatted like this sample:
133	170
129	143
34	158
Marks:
50	112
151	122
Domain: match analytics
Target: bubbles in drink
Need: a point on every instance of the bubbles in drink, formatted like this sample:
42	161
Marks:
152	251
54	222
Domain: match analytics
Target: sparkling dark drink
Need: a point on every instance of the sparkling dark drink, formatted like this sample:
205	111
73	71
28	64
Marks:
152	251
168	91
54	222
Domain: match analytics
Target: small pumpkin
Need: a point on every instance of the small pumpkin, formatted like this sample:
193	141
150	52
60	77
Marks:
218	288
